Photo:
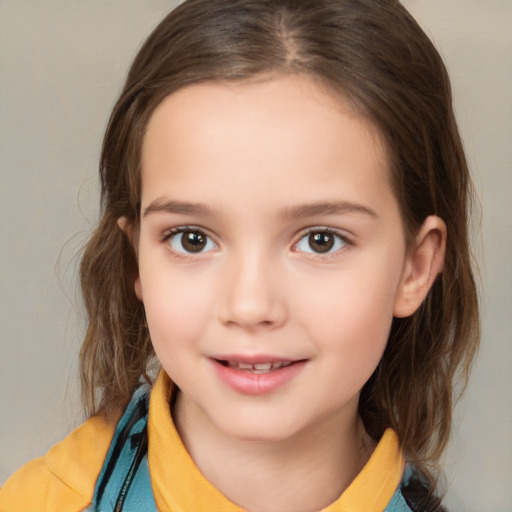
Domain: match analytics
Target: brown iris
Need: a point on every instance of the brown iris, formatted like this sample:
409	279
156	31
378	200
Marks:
321	241
193	241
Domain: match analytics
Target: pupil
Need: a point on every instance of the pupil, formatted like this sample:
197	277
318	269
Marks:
193	241
321	242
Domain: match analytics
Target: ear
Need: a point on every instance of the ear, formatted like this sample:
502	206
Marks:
422	266
132	234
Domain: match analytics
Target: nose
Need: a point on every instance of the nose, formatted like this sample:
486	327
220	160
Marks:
253	294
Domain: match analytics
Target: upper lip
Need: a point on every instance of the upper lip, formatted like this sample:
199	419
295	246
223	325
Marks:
254	358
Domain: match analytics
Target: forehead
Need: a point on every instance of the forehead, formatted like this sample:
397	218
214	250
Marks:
288	133
287	90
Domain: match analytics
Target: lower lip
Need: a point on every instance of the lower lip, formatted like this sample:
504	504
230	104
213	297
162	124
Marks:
249	383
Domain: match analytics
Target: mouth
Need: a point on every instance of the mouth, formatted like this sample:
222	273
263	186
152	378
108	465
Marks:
256	368
256	374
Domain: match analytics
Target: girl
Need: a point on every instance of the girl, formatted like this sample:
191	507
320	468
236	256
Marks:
284	226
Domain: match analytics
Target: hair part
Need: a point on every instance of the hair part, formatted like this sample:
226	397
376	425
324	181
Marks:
375	55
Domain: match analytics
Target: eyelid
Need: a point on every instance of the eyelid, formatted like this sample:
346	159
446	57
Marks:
167	233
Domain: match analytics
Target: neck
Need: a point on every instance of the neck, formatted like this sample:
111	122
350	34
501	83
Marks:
304	473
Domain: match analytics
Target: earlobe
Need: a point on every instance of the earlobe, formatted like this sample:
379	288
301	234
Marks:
423	264
131	233
138	288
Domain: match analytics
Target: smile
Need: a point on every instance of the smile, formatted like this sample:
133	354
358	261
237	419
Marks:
259	376
259	368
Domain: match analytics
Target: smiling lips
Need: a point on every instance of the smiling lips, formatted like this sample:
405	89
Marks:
256	378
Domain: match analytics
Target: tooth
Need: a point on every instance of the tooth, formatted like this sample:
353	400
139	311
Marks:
258	368
263	366
259	372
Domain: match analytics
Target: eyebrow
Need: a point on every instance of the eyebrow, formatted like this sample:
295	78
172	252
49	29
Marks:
326	208
289	212
177	207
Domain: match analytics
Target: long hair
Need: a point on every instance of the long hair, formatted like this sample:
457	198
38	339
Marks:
375	55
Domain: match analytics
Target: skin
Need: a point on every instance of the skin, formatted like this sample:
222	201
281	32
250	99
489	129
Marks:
254	155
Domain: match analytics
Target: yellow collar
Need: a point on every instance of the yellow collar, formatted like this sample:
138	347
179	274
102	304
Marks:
179	486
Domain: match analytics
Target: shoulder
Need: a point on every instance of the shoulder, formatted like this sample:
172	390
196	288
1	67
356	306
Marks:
64	478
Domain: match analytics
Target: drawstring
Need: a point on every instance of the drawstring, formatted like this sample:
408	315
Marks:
141	451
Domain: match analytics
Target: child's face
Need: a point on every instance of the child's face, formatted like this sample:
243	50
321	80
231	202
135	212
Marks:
269	234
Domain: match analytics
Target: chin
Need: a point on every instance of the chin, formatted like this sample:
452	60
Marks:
259	432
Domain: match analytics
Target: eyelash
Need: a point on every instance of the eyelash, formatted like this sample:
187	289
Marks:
347	242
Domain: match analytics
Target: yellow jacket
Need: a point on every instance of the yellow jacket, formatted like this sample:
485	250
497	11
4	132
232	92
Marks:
64	479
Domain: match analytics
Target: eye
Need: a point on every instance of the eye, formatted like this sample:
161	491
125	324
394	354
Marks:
190	241
321	241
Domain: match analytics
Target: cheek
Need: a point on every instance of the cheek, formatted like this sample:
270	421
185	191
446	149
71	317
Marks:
358	323
351	319
176	308
352	344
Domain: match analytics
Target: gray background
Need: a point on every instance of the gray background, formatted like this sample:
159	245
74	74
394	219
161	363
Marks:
62	63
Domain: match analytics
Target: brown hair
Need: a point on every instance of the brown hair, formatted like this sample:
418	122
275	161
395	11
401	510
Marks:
376	56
